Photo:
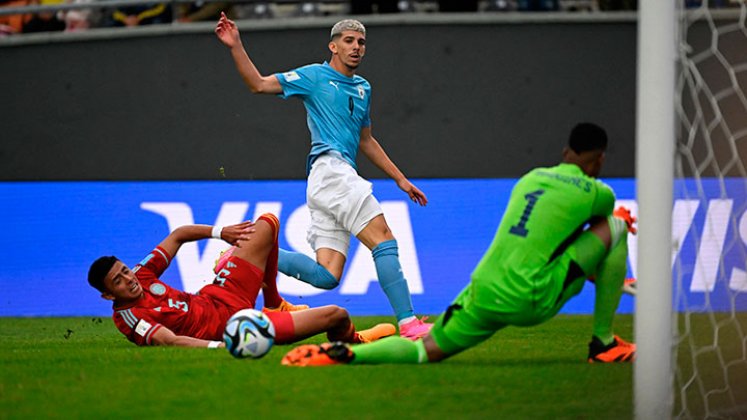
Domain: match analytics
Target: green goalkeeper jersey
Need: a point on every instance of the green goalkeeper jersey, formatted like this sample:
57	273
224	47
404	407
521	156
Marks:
548	209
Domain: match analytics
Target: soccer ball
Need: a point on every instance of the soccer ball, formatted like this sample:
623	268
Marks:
249	333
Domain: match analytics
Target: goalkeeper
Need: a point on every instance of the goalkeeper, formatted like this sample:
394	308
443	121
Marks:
558	230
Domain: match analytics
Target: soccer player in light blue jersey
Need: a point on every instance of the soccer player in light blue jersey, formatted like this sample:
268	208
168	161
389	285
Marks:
338	104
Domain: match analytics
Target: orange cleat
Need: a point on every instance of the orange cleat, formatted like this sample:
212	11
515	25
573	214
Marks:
617	351
378	332
285	306
318	355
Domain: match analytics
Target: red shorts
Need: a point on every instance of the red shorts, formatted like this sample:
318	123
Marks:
238	290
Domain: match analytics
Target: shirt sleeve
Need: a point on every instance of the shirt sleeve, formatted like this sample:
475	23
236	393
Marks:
604	202
299	82
136	325
156	262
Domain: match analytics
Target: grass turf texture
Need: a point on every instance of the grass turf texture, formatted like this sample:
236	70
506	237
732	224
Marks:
83	367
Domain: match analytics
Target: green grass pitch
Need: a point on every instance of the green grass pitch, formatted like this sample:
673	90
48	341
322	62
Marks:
82	367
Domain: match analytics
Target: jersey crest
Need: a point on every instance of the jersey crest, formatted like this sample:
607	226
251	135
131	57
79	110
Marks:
157	289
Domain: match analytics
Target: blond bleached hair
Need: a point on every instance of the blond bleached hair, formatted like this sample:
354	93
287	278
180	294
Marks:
347	25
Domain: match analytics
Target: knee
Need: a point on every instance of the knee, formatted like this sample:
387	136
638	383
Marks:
339	312
264	234
376	232
336	314
272	221
258	244
385	234
266	229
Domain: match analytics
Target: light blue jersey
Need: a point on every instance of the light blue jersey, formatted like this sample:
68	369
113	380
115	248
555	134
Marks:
337	108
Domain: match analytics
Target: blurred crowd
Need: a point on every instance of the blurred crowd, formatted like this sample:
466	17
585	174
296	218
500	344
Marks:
78	19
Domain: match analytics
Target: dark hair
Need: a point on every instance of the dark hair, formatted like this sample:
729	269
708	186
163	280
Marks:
587	137
98	271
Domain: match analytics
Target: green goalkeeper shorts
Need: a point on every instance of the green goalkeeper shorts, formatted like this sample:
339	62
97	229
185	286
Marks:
482	309
463	325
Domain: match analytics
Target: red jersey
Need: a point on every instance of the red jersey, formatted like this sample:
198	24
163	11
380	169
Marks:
202	315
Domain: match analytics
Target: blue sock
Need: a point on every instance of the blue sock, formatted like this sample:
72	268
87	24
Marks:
391	278
297	265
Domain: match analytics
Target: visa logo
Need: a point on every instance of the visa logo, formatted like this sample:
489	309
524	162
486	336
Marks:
196	269
713	249
709	244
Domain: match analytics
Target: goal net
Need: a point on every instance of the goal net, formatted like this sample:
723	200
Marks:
691	187
709	219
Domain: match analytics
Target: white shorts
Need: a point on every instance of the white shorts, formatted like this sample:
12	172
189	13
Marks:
340	203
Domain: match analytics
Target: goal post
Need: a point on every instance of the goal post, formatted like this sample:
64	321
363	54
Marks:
655	139
691	172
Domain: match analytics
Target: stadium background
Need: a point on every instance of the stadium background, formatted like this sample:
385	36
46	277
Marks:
454	96
479	99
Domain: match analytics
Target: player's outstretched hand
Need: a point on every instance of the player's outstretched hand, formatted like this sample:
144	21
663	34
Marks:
234	233
413	192
624	214
227	31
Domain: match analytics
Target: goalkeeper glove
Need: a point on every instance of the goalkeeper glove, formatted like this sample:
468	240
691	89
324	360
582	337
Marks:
624	214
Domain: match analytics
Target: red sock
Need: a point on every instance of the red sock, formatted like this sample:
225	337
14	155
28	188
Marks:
269	282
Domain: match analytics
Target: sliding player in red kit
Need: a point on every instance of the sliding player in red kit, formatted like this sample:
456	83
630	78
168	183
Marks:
150	312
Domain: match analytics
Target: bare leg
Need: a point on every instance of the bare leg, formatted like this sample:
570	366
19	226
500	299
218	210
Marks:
376	232
331	319
435	354
332	260
258	247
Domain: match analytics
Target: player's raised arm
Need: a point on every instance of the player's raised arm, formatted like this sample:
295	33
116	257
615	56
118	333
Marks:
228	34
165	337
188	233
370	147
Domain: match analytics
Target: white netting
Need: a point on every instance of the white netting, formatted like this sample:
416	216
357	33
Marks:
710	213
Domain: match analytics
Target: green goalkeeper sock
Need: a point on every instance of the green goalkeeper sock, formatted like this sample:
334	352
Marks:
390	350
609	282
